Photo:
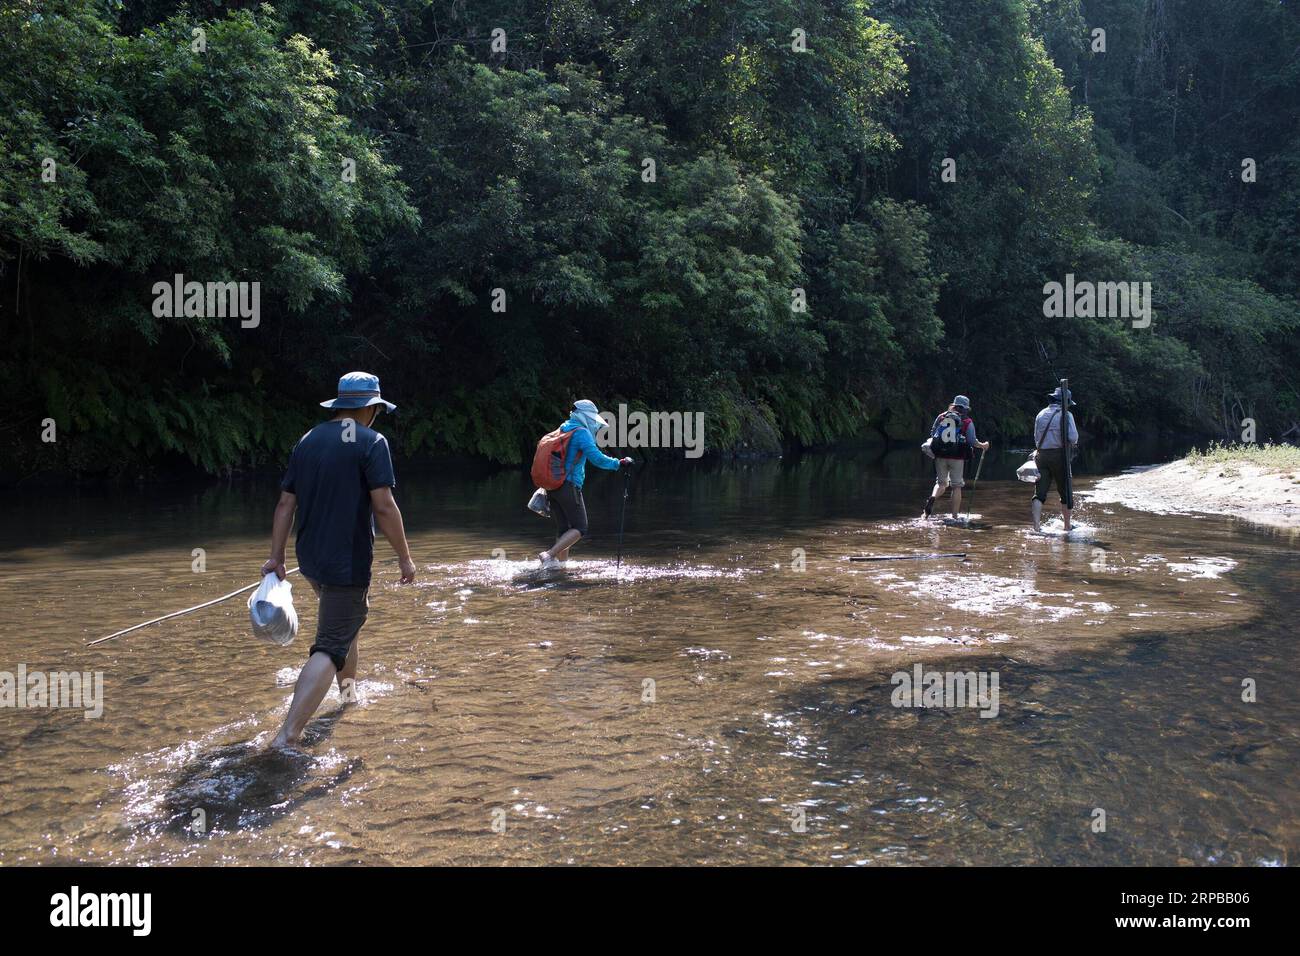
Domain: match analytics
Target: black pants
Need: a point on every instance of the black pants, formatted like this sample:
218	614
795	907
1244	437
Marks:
1051	467
341	613
569	509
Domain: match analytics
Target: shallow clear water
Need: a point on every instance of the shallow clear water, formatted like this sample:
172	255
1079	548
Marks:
489	696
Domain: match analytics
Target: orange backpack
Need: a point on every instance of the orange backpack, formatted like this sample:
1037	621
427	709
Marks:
548	460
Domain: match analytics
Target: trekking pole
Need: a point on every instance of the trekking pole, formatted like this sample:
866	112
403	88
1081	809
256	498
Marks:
168	617
973	482
618	566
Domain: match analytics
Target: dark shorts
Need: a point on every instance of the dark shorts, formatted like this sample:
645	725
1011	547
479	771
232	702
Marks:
1051	467
341	613
569	509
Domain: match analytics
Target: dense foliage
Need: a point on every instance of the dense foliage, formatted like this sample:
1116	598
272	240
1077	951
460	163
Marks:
654	188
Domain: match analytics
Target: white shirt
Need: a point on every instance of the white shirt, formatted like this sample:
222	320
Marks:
1047	428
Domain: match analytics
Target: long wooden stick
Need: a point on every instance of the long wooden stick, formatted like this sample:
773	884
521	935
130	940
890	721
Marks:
1065	442
973	482
905	557
167	617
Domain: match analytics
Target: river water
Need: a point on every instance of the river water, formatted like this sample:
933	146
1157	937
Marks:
726	696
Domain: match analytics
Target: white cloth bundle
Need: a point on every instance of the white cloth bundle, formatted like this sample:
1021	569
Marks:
1028	471
271	611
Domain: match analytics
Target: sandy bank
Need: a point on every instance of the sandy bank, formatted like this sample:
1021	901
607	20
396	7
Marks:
1254	493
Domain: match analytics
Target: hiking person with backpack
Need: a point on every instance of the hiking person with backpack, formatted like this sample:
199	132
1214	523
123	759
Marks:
952	443
1050	458
559	468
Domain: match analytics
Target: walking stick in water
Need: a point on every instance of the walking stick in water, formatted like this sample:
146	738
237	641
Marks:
168	617
1065	444
973	482
618	566
906	557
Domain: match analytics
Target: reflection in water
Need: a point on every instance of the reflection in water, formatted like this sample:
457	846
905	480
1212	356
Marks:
682	707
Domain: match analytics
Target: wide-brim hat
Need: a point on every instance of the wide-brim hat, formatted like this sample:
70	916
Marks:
358	390
961	401
586	412
1055	395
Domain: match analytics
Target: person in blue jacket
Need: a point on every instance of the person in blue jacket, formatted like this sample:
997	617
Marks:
567	506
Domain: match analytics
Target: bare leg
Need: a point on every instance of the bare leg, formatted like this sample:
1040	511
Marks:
928	509
348	676
563	553
956	501
313	683
1065	516
560	550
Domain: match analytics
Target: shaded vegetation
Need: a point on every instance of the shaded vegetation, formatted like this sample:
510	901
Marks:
778	177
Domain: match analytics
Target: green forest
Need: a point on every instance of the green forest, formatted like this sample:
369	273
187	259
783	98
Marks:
810	220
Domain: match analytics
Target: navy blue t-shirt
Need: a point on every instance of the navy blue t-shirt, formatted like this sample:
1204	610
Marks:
332	478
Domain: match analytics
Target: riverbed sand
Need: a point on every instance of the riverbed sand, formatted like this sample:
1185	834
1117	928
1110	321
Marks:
1241	489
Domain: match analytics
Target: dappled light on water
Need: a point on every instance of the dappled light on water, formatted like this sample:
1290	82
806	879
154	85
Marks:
679	705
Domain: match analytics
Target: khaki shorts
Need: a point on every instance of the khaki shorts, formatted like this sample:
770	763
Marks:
948	471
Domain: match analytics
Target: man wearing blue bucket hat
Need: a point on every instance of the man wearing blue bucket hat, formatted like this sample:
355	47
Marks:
340	483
